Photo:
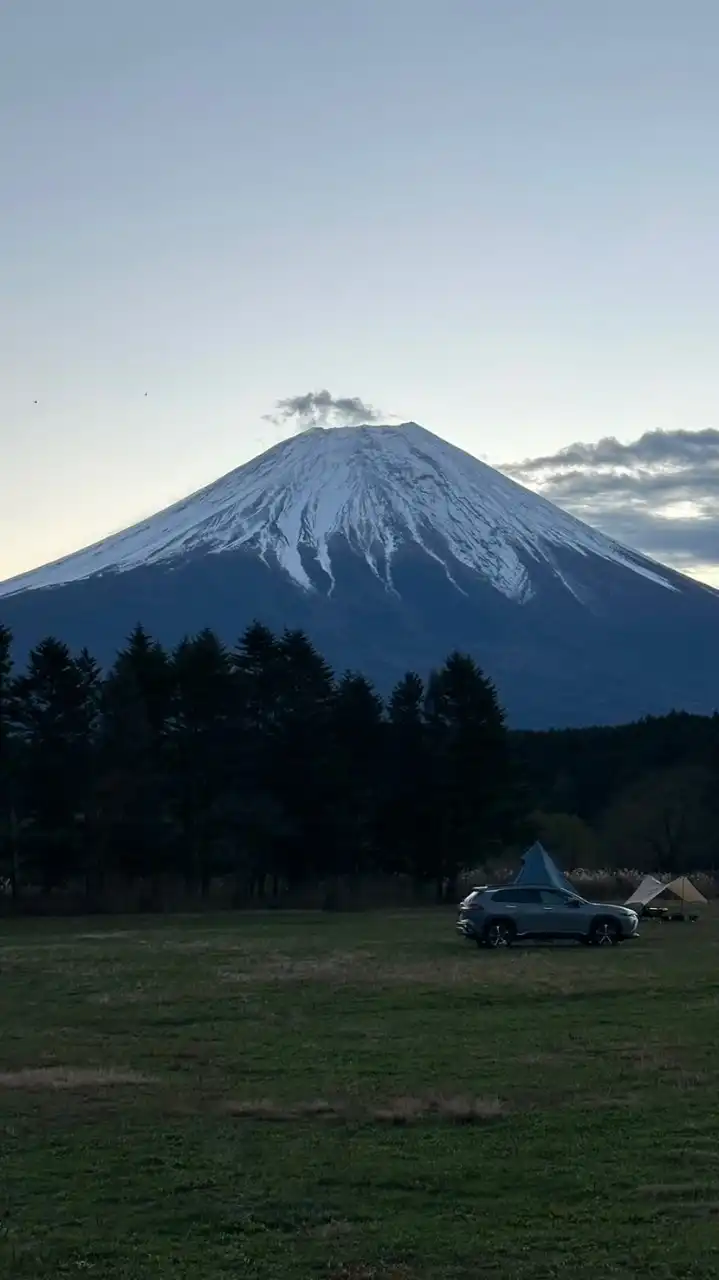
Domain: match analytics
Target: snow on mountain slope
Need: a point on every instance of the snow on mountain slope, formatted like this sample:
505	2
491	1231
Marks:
381	487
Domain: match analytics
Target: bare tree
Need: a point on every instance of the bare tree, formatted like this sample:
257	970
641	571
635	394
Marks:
663	822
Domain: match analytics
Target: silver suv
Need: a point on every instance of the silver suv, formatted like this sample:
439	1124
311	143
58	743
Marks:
498	917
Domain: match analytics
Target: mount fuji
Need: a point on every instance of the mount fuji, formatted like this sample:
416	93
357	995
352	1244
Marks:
391	547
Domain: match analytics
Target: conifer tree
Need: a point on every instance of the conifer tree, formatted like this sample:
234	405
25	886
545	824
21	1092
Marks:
301	755
358	763
198	752
134	795
9	822
55	713
471	765
410	842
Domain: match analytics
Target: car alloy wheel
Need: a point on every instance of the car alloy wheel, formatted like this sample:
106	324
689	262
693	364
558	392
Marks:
499	934
605	934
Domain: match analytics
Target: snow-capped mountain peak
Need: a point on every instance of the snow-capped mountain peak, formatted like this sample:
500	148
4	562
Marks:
379	488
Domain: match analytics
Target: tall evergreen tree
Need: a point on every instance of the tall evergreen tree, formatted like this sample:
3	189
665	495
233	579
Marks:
410	841
254	810
302	755
133	788
471	766
199	756
55	713
358	763
9	822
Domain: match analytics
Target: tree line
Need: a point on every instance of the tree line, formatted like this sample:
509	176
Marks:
253	764
641	796
256	766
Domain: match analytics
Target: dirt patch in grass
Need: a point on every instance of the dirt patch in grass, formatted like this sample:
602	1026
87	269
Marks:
108	935
331	1230
456	1110
606	1101
546	976
396	1111
707	1209
355	1271
70	1078
333	966
689	1199
267	1109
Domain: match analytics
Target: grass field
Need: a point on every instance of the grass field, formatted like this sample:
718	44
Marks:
359	1097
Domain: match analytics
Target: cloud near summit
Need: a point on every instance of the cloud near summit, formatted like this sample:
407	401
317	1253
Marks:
322	409
659	493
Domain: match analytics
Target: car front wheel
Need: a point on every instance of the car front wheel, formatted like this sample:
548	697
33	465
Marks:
605	933
499	933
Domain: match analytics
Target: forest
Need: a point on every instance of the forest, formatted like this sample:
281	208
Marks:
257	769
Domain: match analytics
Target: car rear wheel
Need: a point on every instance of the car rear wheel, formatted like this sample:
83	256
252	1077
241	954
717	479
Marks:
605	933
499	933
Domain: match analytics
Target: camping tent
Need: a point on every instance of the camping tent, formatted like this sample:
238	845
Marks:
685	890
645	892
540	872
650	888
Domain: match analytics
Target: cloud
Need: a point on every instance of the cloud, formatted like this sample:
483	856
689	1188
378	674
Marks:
659	493
322	409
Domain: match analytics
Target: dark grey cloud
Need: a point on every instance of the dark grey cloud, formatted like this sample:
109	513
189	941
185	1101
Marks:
654	448
322	409
659	493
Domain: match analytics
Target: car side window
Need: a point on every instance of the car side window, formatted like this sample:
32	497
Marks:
550	898
516	895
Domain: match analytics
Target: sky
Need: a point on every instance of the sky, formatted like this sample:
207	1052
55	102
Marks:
497	218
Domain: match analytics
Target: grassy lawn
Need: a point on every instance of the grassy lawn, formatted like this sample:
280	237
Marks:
355	1098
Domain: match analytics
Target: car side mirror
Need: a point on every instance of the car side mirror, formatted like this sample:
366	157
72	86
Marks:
574	902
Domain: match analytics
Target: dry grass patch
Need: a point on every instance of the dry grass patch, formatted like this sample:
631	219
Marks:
108	935
357	966
457	1110
689	1199
361	966
606	1101
676	1190
668	1062
330	1230
137	996
652	1057
356	1271
267	1109
70	1078
397	1111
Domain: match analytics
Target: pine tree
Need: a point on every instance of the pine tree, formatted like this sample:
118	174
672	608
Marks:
256	666
55	713
409	837
471	766
199	740
133	788
254	812
5	717
9	831
301	754
358	748
90	675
